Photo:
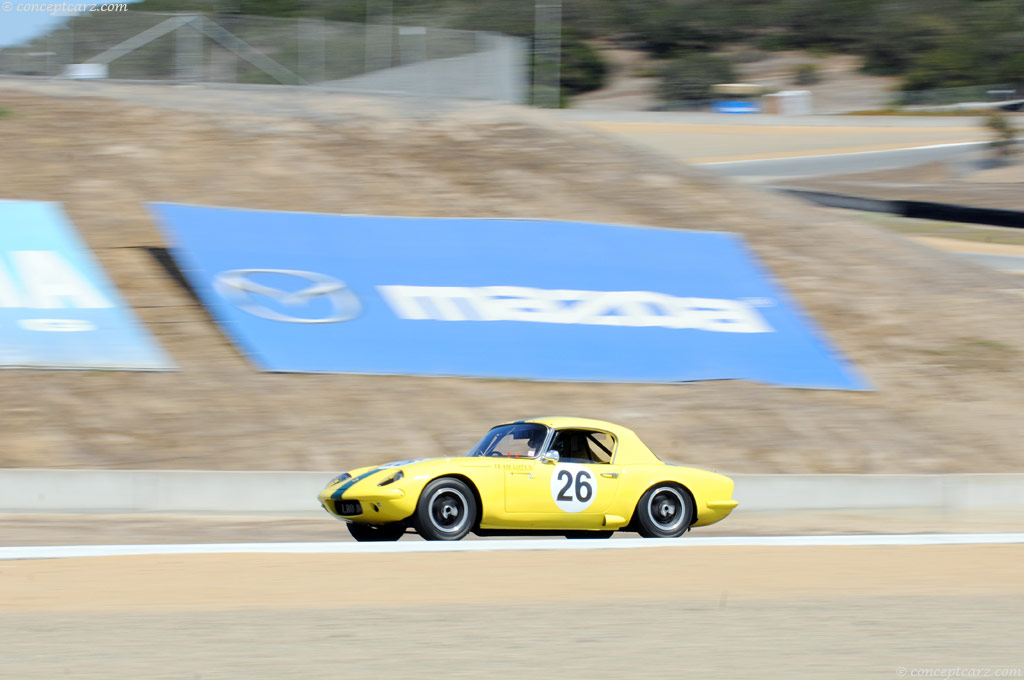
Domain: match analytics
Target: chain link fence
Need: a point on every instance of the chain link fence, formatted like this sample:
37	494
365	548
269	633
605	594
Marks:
265	50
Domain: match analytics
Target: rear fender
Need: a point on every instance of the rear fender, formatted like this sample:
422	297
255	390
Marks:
631	525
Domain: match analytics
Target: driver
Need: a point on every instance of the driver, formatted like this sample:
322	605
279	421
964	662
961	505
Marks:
534	443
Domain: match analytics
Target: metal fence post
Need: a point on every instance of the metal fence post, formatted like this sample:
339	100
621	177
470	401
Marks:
189	51
547	53
412	44
380	12
312	50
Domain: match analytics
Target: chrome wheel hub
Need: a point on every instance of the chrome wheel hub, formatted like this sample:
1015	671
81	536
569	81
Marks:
447	510
667	508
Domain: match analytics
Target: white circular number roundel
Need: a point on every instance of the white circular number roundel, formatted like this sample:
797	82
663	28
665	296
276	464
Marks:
573	487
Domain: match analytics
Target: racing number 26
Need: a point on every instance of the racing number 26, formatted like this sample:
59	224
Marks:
582	486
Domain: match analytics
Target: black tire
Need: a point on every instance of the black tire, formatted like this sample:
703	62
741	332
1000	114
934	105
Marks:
446	510
376	532
664	511
589	534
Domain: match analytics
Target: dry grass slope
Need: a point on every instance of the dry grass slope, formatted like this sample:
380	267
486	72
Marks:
942	339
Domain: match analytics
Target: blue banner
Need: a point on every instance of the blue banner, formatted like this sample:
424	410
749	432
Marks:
495	298
57	309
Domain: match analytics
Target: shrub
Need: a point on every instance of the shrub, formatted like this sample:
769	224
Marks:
583	69
1004	134
807	74
691	77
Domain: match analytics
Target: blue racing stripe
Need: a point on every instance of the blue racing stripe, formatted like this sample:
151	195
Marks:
347	485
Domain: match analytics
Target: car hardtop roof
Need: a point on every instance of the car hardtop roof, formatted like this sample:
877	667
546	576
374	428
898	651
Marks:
636	452
562	422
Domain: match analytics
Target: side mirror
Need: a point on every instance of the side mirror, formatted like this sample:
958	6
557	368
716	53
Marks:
549	457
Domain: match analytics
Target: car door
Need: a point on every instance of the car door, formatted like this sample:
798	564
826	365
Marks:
573	492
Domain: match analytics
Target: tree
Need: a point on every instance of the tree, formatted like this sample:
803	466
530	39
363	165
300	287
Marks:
1004	135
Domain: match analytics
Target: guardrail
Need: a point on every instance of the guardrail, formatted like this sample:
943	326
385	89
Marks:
294	493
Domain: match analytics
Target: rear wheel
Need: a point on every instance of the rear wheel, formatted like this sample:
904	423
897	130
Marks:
664	511
446	510
376	532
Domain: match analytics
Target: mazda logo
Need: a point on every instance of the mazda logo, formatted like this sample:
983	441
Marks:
238	287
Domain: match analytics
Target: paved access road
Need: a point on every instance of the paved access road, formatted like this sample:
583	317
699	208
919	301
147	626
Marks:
699	138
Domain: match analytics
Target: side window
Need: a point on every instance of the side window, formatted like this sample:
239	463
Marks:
584	446
602	447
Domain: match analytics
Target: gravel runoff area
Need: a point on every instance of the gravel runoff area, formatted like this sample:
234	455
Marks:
731	612
941	339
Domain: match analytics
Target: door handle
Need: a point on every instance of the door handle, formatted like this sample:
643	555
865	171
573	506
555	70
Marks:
613	475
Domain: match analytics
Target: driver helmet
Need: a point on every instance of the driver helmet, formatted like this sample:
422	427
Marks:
534	443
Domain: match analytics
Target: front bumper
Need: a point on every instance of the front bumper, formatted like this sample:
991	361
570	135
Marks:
372	504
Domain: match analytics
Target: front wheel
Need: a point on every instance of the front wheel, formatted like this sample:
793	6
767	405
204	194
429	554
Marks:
446	510
664	511
376	532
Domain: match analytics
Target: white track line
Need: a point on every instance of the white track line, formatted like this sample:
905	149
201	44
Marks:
416	546
928	147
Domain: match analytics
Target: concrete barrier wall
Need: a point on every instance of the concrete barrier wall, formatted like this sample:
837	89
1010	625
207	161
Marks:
200	492
837	492
184	491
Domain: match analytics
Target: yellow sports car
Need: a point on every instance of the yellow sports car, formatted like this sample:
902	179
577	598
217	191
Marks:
574	477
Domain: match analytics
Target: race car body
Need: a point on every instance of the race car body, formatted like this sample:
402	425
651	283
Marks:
572	476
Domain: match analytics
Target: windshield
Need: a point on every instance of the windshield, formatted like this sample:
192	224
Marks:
521	440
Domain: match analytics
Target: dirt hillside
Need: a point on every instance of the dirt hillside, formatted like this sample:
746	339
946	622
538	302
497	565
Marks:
943	340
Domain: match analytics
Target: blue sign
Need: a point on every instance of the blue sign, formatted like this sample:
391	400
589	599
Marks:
57	309
735	106
495	298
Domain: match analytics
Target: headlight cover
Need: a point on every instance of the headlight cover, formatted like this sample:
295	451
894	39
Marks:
340	478
393	478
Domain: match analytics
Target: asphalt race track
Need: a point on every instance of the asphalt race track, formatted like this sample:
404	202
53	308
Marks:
689	610
499	545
